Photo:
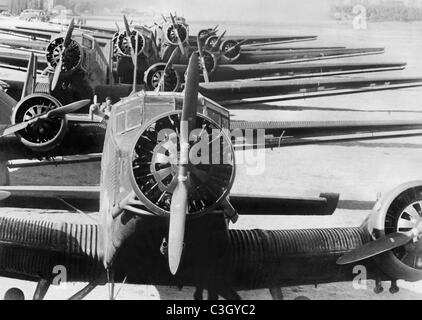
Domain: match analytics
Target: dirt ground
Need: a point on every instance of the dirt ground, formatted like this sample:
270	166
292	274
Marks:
358	171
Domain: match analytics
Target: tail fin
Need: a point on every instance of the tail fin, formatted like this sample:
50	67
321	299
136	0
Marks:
31	77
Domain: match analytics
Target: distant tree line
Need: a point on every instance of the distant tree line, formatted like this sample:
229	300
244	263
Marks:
378	13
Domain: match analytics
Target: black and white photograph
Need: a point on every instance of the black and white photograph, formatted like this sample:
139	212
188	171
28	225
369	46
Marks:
211	150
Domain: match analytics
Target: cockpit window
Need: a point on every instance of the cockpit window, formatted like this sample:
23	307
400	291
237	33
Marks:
128	119
121	122
133	118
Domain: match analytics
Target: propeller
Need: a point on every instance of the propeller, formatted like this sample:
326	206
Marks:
217	43
66	43
169	63
4	195
202	60
129	40
59	112
176	32
133	53
381	245
209	33
179	200
238	45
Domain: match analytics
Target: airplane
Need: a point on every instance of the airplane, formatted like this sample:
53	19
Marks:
159	207
155	48
87	71
48	144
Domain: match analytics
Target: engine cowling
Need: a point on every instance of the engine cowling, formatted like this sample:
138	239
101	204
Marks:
43	135
152	77
204	34
170	34
123	47
73	58
211	42
230	51
399	211
154	168
210	61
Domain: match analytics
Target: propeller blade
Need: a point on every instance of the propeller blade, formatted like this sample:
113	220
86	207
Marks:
68	108
202	59
4	195
374	248
127	28
190	102
15	128
179	200
66	43
129	40
178	210
217	43
169	63
69	33
57	73
176	32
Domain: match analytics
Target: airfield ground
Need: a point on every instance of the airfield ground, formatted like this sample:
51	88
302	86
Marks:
358	171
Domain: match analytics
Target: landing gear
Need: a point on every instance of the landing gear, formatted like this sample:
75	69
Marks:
394	288
276	293
84	292
378	287
110	284
41	290
225	292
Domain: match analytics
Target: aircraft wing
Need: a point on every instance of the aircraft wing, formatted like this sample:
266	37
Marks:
110	31
28	33
21	60
229	93
260	40
251	41
23	44
295	133
54	32
82	138
87	198
284	56
292	71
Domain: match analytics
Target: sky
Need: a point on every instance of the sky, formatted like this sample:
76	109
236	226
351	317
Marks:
244	10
